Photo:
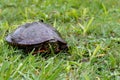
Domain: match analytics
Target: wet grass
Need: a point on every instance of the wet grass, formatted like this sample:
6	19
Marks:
91	29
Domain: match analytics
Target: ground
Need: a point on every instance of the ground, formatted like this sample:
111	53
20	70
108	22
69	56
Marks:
90	27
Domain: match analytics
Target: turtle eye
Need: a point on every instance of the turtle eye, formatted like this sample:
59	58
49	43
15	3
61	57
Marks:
13	39
16	39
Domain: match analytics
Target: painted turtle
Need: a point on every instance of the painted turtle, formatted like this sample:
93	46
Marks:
39	36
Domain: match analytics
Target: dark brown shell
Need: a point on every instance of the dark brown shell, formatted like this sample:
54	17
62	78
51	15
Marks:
35	33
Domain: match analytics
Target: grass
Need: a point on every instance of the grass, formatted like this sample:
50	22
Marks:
90	27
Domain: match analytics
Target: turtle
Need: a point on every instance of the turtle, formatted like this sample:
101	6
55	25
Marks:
39	36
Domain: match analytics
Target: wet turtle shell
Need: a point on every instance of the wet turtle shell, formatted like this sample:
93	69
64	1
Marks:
37	35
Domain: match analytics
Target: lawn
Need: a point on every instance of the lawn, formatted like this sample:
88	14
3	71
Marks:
90	27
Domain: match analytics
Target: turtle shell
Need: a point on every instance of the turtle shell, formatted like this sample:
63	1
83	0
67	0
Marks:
35	34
